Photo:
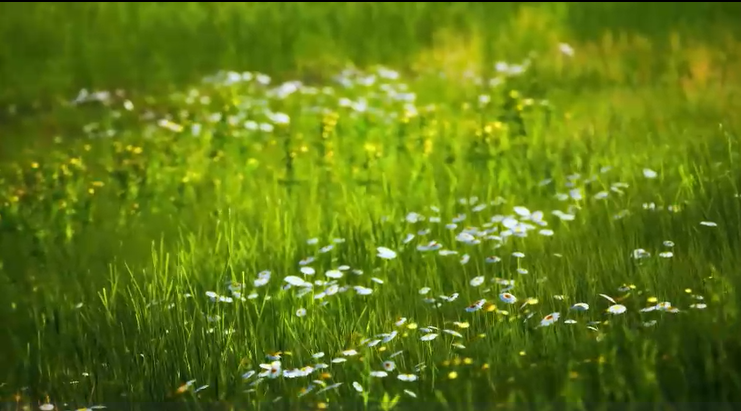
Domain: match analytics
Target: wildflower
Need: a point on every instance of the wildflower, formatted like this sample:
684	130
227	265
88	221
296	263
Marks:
476	306
407	377
390	336
508	298
648	173
336	274
301	312
428	337
616	309
378	374
293	280
386	253
363	290
357	386
273	370
580	307
389	365
477	281
549	319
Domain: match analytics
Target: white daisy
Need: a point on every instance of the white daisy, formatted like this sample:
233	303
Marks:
386	253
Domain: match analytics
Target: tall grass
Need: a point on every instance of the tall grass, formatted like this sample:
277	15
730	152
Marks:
135	243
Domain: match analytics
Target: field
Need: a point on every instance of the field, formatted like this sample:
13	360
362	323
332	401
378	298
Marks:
374	206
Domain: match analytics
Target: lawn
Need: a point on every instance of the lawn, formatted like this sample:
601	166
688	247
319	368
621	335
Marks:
371	206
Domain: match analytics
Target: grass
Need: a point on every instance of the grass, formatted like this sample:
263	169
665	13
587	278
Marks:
155	246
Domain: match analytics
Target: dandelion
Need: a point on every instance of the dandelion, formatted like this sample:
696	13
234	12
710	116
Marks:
386	253
508	298
301	312
477	281
616	309
452	375
549	319
407	377
389	365
428	337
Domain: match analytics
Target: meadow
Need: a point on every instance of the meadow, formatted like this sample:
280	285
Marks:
374	206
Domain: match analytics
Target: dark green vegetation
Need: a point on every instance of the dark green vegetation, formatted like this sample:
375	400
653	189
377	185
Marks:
136	231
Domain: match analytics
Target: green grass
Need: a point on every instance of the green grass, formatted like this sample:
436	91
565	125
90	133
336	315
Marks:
117	227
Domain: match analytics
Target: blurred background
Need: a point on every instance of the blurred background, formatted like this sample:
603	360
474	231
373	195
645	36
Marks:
49	51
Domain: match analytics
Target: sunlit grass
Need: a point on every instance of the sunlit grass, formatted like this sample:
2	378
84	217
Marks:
481	229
